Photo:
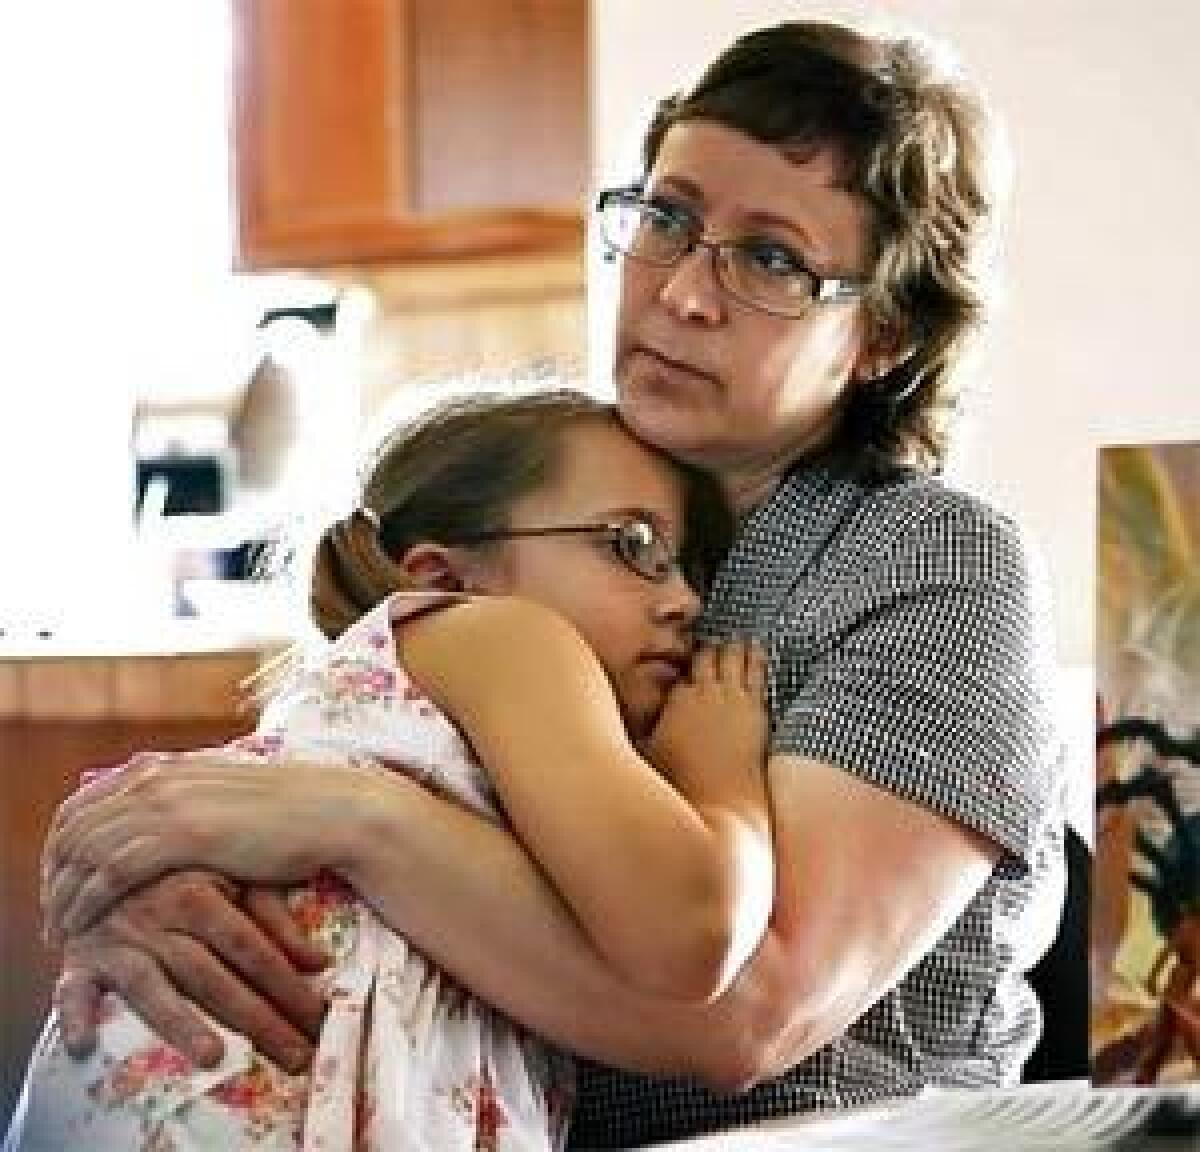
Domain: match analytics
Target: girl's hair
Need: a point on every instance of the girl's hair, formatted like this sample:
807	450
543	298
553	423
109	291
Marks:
456	473
915	143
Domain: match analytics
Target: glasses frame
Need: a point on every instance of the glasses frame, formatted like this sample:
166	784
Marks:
613	529
634	196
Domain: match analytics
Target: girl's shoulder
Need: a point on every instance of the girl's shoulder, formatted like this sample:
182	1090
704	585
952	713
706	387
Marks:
469	611
478	624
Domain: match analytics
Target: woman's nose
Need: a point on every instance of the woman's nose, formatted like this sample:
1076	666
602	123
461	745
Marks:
690	288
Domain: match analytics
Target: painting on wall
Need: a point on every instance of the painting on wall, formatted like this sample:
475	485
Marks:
1145	915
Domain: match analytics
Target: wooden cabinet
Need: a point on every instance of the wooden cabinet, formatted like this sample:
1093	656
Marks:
390	130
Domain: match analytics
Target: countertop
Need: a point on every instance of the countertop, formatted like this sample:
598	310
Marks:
178	669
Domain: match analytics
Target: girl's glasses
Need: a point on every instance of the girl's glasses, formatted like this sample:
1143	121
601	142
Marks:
636	542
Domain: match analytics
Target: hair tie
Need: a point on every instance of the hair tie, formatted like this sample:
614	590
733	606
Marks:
369	515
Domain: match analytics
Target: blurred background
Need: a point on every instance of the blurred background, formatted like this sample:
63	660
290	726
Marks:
240	236
235	230
237	234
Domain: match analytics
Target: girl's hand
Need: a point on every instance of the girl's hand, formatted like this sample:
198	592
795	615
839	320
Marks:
711	739
261	821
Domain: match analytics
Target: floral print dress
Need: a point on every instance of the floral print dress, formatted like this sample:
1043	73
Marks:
406	1060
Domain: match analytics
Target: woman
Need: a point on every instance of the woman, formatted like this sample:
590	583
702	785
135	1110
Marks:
801	276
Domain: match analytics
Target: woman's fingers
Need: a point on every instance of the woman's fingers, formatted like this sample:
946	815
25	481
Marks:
119	842
234	969
247	949
197	972
134	974
78	813
181	945
82	837
107	871
94	785
268	908
77	997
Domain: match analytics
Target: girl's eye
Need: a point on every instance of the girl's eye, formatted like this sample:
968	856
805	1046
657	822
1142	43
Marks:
639	546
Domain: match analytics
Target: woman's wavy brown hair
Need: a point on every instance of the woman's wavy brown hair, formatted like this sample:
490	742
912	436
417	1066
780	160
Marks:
456	473
915	143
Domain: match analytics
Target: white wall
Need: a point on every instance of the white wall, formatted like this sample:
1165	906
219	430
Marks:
1102	106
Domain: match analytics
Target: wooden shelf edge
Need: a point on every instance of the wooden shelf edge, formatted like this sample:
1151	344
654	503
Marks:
445	238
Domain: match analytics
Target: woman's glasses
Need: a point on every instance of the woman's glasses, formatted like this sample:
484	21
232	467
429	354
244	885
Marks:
757	270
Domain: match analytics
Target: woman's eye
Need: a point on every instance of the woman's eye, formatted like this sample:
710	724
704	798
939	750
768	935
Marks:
667	216
774	259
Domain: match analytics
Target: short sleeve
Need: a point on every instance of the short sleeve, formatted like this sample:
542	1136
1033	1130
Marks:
928	674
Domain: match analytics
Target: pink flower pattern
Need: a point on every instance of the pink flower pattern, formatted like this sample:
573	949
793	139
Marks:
408	1021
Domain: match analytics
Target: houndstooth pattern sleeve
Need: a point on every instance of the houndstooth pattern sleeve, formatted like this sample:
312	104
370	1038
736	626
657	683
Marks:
924	670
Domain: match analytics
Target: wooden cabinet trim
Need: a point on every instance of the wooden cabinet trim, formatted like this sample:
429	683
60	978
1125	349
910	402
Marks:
465	236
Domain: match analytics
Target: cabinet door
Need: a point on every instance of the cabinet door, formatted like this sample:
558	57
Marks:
500	99
391	130
321	142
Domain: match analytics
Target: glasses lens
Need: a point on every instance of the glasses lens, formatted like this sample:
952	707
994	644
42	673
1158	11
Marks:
758	277
643	230
641	548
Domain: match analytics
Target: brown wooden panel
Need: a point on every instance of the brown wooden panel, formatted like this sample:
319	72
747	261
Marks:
358	125
40	762
321	137
500	95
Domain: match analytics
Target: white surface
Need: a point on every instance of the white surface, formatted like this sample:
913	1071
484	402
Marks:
1064	1117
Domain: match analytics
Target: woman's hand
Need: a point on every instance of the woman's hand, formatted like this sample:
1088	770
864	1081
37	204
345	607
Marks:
262	821
190	941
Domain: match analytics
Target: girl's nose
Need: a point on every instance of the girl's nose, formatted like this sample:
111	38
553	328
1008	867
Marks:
678	602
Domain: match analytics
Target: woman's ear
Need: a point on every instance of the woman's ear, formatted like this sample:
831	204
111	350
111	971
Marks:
434	566
887	346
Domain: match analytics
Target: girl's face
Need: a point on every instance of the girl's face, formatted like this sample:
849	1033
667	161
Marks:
639	629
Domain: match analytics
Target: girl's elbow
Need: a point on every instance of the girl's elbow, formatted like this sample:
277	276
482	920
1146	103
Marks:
735	1069
694	959
693	946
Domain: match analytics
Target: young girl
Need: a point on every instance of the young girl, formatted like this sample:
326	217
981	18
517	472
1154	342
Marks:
510	626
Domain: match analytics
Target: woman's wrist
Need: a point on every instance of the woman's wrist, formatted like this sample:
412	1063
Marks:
368	817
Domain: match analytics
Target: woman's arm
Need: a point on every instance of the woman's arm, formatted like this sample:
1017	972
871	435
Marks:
449	879
673	885
673	894
854	911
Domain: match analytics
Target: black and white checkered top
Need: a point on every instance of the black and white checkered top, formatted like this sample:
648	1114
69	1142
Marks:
909	645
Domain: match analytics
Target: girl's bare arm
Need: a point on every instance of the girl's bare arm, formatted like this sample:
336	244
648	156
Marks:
670	880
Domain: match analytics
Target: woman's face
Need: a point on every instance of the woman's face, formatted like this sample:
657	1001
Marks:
714	381
639	630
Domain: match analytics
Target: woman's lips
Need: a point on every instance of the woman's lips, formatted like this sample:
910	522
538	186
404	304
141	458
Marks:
672	365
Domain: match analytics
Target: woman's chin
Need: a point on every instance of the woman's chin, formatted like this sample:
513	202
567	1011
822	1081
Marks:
663	426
